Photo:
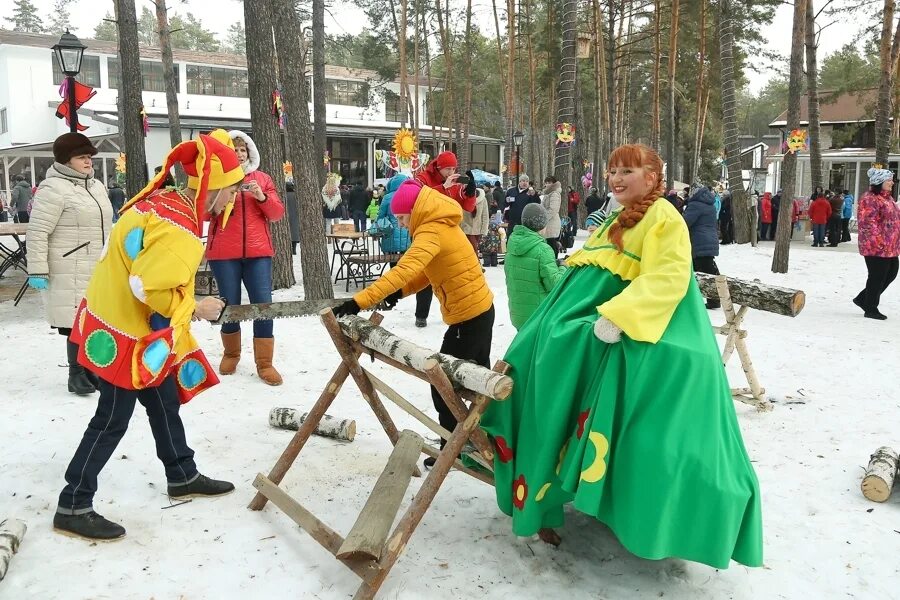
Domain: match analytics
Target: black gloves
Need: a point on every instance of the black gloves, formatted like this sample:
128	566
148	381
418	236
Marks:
392	300
470	187
350	307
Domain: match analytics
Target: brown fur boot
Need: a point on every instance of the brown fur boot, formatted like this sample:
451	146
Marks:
232	355
263	349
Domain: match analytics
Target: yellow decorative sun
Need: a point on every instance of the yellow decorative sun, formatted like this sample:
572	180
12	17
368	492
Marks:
405	144
120	163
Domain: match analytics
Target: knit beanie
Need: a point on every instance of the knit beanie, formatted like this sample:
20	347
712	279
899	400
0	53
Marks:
595	219
876	176
445	159
534	217
405	197
72	144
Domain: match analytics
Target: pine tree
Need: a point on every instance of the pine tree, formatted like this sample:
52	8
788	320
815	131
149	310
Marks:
59	17
106	29
25	17
236	39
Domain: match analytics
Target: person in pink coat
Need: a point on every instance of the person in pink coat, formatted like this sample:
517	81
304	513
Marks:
239	249
878	221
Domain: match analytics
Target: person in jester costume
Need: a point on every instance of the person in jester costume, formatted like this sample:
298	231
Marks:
640	430
134	329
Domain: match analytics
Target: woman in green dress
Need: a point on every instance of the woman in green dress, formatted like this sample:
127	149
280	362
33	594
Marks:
621	404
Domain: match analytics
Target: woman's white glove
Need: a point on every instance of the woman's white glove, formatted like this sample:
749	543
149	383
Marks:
607	331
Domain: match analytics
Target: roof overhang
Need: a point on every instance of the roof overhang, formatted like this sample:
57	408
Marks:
48	146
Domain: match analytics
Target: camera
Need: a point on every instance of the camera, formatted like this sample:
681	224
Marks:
245	187
462	179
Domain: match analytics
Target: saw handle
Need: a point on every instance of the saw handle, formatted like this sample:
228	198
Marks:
218	320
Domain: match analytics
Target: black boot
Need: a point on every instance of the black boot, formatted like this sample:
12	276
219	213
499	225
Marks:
92	377
202	486
78	381
89	525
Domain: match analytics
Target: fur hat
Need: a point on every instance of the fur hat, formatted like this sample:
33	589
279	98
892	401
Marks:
72	144
405	197
534	216
252	162
876	176
445	159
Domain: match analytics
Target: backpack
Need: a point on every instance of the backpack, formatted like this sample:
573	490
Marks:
566	235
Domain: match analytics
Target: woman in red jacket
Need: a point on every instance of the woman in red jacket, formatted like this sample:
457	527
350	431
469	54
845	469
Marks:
819	213
239	248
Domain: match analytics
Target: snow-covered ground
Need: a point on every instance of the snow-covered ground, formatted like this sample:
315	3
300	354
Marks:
832	373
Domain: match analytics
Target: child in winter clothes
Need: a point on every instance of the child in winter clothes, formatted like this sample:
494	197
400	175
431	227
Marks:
442	257
531	269
490	241
372	211
594	220
819	213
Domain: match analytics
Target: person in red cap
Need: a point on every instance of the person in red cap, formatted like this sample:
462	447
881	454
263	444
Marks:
440	175
133	329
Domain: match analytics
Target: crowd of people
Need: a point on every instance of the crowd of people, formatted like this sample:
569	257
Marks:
123	297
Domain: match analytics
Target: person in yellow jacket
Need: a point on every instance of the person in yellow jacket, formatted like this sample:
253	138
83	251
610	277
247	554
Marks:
133	329
442	257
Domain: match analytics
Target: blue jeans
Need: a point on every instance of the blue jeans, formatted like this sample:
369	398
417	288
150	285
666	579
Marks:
359	220
256	273
109	423
818	234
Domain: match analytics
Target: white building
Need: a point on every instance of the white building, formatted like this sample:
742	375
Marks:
362	113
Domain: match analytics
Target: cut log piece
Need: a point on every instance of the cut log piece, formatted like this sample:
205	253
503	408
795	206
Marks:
330	427
367	536
879	477
461	373
12	532
757	295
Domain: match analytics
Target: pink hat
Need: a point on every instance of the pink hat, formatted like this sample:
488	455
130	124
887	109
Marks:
405	197
446	159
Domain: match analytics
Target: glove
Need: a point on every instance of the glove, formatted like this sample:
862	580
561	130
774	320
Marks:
607	331
470	187
38	283
350	307
392	300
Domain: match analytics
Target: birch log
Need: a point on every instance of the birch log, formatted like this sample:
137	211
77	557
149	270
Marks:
330	427
879	477
757	295
12	531
462	374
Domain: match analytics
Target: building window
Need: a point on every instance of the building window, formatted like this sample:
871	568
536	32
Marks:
215	81
485	157
3	125
350	159
89	74
347	93
392	109
151	75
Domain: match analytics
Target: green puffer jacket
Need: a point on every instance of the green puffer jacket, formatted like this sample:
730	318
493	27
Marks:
531	272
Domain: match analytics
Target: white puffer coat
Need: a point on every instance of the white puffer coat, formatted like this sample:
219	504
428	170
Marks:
551	201
70	209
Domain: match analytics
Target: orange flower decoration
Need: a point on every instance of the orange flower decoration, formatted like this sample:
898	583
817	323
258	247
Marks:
520	492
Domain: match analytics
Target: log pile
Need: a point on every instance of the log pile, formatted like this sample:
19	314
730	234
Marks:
12	531
878	480
330	427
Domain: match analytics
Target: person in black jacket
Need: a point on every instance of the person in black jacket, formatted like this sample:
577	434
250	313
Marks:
117	199
726	218
700	216
593	202
498	195
516	200
359	202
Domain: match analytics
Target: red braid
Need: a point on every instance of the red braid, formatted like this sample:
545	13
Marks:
636	156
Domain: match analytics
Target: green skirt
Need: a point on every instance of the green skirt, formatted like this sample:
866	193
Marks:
644	437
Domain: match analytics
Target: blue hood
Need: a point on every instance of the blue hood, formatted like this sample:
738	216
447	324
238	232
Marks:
703	195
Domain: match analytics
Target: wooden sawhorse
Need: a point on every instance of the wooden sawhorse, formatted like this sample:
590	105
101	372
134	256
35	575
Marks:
370	549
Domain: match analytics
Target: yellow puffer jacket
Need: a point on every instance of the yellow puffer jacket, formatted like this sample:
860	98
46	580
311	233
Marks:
440	255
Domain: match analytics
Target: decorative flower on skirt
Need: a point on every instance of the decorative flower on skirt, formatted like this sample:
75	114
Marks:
504	452
520	492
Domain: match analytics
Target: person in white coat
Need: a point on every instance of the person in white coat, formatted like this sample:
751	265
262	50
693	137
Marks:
551	200
71	219
475	223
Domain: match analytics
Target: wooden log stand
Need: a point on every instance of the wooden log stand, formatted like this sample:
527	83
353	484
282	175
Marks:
371	549
750	294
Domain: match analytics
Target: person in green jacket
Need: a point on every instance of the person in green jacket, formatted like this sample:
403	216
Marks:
531	268
372	211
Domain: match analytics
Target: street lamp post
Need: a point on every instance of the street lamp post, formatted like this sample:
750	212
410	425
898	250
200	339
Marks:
518	138
69	51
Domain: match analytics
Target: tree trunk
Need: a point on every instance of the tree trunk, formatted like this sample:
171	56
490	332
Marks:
756	295
781	256
330	427
449	83
612	66
532	85
562	157
879	477
671	151
812	87
168	63
888	53
701	85
401	58
130	121
657	51
301	151
743	228
599	96
511	84
12	532
467	101
320	130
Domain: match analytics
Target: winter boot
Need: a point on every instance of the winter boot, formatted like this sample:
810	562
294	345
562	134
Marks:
201	486
88	525
78	381
232	355
92	377
263	349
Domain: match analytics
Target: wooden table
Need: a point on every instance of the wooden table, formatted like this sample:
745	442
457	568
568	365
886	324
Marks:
13	258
